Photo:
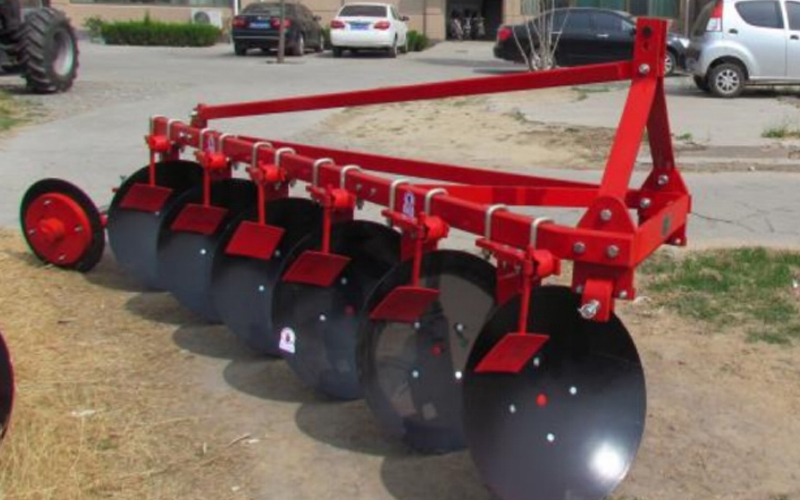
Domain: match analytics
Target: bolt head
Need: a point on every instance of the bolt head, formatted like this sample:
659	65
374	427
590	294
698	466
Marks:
612	251
512	409
551	437
605	215
644	69
62	258
277	253
203	251
343	281
645	203
459	327
459	375
579	247
261	288
623	294
417	325
415	374
78	229
323	318
573	390
662	180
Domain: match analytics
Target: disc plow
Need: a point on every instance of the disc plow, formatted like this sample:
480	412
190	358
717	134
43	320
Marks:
542	383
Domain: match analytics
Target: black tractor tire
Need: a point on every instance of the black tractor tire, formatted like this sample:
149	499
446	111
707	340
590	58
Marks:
12	40
49	52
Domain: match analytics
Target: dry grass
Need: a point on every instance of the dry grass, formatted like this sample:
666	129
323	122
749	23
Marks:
95	416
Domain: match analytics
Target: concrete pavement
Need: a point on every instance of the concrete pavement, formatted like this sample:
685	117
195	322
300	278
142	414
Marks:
99	139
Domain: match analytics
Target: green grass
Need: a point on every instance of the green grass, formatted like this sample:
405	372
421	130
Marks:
749	288
782	131
13	112
686	136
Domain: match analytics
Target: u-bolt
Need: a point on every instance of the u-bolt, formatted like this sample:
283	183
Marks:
280	152
221	145
254	154
393	191
203	137
535	229
315	170
343	174
487	232
429	196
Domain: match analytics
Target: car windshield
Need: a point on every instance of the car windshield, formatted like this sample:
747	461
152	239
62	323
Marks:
269	9
363	11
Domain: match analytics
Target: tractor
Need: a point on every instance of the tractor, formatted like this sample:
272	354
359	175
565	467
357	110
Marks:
38	42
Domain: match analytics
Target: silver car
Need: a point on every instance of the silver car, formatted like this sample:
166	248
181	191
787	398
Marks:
745	42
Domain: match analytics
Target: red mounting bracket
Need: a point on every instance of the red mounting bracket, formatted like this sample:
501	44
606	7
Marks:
321	267
407	303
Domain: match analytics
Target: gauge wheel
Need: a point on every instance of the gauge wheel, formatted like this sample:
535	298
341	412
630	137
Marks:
726	80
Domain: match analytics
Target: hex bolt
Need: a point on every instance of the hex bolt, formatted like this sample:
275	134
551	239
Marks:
612	251
62	257
372	191
31	231
579	289
322	318
459	328
277	253
537	361
663	179
47	202
677	241
343	281
605	215
623	294
645	203
512	409
417	325
590	309
579	247
644	69
78	229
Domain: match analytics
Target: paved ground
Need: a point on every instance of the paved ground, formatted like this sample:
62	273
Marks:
97	136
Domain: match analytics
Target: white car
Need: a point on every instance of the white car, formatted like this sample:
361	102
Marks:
369	26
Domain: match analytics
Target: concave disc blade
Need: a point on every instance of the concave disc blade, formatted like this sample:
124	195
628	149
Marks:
133	234
92	251
6	387
242	287
569	424
185	258
411	372
318	325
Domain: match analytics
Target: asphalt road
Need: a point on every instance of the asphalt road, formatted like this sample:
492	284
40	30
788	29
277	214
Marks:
97	135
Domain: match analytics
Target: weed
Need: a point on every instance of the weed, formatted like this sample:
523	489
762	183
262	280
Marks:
782	131
686	136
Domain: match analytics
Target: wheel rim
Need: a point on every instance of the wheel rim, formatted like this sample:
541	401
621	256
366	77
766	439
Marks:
65	54
727	81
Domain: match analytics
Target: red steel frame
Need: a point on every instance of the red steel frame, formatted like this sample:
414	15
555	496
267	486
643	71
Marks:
607	244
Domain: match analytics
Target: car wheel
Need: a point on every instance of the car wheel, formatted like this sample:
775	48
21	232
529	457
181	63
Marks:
239	49
701	83
300	46
726	80
669	64
393	50
337	52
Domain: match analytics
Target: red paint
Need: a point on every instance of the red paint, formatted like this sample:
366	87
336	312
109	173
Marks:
541	400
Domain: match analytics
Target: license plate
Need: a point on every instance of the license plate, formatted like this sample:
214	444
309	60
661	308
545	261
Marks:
359	26
260	25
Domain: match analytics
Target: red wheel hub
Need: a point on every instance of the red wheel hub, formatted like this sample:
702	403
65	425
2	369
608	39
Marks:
58	228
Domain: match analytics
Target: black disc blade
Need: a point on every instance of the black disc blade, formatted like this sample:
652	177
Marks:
568	425
242	287
6	387
412	372
92	252
318	325
185	258
133	234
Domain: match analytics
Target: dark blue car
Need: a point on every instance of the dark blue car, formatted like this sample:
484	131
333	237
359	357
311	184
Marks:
258	27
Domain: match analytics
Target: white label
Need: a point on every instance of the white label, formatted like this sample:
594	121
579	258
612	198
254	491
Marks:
287	342
408	205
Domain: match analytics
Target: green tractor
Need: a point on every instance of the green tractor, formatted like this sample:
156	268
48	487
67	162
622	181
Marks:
38	42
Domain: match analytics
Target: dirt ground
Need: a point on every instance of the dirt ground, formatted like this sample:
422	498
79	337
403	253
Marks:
122	394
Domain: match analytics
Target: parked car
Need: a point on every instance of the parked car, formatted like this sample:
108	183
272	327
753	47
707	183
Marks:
736	43
258	27
583	36
360	26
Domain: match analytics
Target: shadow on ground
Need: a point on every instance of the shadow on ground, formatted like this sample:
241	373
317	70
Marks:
435	477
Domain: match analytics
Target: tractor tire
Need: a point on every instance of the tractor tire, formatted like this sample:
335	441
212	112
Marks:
12	40
49	52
